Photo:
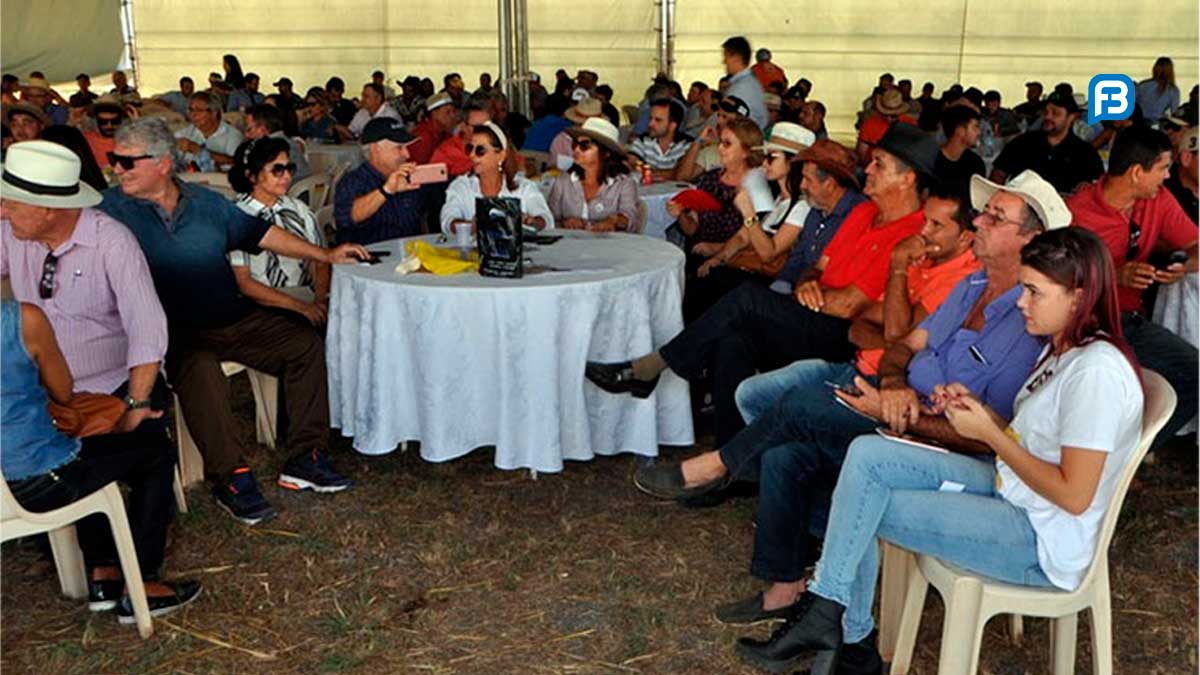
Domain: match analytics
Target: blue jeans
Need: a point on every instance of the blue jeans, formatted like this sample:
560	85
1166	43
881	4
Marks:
755	395
890	490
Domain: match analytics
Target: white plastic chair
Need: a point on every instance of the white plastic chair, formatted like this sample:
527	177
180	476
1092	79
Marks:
59	524
311	190
266	404
972	600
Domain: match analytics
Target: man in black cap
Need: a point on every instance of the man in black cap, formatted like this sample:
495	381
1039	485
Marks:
753	328
1031	110
288	99
376	201
1054	151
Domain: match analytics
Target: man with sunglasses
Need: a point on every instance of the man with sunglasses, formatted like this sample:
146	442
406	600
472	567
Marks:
186	231
109	114
207	134
1134	214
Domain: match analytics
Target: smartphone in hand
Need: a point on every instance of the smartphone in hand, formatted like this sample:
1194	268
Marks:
424	174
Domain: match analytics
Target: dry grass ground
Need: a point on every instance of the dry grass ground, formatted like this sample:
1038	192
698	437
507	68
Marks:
462	568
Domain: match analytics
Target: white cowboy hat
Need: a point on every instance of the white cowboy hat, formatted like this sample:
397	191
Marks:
787	137
42	173
1031	188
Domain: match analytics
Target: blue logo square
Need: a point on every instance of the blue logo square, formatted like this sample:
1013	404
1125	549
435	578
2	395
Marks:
1110	97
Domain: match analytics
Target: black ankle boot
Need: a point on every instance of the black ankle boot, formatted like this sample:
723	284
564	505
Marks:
811	637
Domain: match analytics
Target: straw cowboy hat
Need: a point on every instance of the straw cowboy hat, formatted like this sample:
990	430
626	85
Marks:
1030	187
600	130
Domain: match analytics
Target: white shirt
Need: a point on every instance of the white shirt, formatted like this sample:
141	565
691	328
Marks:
780	215
363	116
1088	398
746	86
462	192
272	269
225	140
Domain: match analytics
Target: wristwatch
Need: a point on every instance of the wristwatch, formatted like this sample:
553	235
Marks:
135	404
751	221
384	192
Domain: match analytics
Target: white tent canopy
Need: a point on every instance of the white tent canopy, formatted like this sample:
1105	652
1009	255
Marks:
841	45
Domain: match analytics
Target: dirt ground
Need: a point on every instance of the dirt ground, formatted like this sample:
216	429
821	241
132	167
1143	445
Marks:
463	568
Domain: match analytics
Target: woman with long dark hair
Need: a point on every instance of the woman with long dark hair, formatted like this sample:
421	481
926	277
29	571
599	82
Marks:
262	173
1157	95
493	174
596	193
233	72
1031	516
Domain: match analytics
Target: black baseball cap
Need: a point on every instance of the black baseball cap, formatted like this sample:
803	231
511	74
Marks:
284	80
1063	100
733	104
386	129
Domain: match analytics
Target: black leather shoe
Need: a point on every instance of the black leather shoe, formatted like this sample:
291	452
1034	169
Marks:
811	637
617	378
104	595
749	611
860	658
665	481
184	592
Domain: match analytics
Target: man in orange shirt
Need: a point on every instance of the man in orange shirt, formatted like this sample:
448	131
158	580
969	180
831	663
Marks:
108	114
766	71
889	108
453	151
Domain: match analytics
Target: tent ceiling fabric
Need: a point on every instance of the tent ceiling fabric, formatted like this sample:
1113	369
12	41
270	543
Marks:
61	38
311	41
843	45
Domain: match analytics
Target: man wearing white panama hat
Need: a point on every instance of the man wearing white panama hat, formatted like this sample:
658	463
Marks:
87	273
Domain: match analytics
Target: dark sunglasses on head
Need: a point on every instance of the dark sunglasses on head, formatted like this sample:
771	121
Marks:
279	169
125	161
583	144
46	284
478	150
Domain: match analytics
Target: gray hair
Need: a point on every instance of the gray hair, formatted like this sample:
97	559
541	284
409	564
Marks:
1032	224
151	133
212	101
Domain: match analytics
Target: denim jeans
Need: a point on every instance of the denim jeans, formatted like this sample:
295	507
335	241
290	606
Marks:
1172	357
755	395
891	490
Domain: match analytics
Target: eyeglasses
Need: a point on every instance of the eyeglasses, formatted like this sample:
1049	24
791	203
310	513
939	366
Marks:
582	144
125	161
46	285
479	150
108	121
991	219
1135	240
278	170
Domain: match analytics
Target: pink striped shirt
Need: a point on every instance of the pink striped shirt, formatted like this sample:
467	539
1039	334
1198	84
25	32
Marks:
105	312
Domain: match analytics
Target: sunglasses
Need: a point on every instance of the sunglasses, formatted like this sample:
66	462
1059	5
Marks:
278	170
108	121
479	150
1135	238
46	284
582	144
125	161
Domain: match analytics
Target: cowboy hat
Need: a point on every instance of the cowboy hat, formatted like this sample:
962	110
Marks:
600	130
584	110
891	102
1030	187
42	173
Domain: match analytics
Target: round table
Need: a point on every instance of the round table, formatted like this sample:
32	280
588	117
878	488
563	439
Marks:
465	361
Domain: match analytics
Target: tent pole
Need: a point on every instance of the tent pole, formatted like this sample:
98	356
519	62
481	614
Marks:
505	35
135	64
521	57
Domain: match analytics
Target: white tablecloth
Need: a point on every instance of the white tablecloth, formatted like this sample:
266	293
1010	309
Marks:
324	156
1177	308
460	362
654	196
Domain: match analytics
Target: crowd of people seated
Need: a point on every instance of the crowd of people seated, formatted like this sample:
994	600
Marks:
964	272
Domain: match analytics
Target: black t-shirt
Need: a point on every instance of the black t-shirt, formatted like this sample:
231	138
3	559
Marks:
1185	197
957	174
344	111
1071	162
82	99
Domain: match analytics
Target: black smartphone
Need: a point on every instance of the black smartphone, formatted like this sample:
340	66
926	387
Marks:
1177	257
379	254
849	388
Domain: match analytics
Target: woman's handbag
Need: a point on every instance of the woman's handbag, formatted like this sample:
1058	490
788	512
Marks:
87	414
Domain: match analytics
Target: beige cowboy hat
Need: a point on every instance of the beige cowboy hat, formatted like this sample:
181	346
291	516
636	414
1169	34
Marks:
586	109
600	130
891	102
1030	187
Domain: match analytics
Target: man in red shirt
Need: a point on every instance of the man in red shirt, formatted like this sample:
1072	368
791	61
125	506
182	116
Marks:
442	115
1134	214
453	151
889	109
766	71
753	328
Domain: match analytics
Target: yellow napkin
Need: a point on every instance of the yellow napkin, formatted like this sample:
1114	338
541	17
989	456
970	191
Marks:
442	260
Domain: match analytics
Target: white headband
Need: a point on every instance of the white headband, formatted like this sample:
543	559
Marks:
495	128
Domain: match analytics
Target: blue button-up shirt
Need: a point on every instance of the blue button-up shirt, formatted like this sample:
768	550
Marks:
186	252
400	215
992	363
818	231
746	86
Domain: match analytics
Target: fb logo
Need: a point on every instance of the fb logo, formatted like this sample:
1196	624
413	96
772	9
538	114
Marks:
1110	97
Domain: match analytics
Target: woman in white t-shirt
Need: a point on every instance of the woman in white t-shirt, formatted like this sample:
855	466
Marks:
493	174
1030	517
261	175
